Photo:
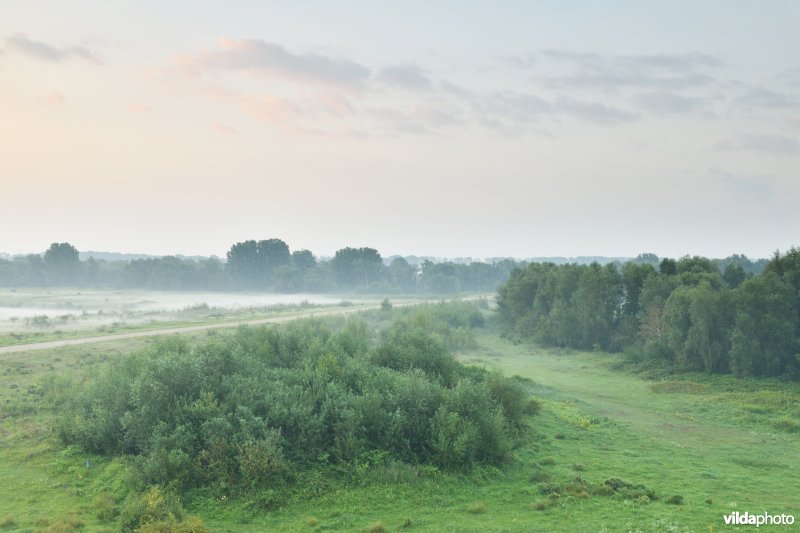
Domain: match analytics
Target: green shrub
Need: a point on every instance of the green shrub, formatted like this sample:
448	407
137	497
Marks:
65	523
602	490
538	476
549	488
105	507
683	387
407	348
511	396
253	410
191	524
787	424
261	460
155	506
477	508
674	500
616	483
376	527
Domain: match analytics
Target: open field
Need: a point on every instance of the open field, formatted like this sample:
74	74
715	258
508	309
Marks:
720	444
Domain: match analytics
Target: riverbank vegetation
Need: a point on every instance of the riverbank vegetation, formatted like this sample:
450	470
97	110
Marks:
683	315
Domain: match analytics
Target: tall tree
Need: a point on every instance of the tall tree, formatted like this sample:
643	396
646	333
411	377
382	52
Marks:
355	267
633	277
707	341
764	338
62	263
243	264
252	264
598	300
402	274
272	253
303	259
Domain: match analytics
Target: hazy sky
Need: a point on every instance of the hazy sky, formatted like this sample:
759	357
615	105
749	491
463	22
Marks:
433	128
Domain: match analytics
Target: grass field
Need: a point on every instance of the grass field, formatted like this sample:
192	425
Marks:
720	444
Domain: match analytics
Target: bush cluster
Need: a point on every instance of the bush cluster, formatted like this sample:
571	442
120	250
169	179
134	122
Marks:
256	408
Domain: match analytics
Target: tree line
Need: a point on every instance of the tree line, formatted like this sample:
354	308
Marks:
264	265
692	314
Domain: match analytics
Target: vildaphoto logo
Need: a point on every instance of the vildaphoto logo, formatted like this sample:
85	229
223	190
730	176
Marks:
765	519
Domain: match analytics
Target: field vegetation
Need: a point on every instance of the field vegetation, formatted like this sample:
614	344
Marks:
306	427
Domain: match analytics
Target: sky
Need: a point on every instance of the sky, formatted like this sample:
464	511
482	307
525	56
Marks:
449	128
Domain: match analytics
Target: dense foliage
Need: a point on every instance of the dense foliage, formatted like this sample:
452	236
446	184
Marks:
257	408
687	314
256	265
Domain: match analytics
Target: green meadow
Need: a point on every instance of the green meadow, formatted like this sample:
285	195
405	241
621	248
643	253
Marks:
607	451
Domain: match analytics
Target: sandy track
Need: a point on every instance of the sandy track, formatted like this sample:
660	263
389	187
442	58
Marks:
188	329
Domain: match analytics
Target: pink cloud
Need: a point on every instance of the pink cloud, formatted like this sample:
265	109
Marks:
52	98
139	108
335	104
222	128
271	108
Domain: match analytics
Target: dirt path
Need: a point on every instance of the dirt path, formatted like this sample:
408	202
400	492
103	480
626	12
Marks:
202	327
188	329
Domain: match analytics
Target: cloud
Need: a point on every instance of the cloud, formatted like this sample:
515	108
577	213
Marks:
509	113
770	144
393	120
438	115
583	59
432	117
594	112
756	187
52	98
662	71
454	89
515	107
139	108
405	76
335	104
790	77
522	61
21	43
761	98
271	108
222	128
673	62
274	60
666	102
